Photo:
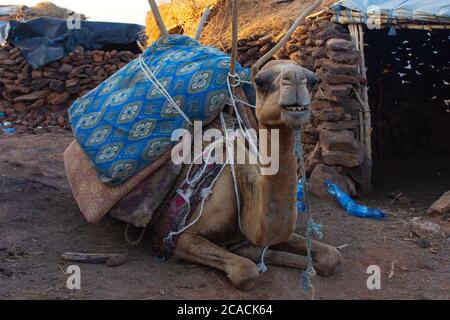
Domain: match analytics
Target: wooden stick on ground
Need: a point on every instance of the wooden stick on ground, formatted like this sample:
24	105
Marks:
111	260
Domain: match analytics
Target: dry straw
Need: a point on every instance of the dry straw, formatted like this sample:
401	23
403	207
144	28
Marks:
256	18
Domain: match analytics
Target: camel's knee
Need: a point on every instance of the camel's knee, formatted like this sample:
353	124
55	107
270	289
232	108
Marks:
243	274
241	271
327	262
184	246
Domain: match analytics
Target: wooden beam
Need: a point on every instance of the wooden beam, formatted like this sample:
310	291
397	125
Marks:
310	9
159	21
202	23
234	38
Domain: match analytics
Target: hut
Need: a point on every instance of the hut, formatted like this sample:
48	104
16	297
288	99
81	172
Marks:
381	111
404	94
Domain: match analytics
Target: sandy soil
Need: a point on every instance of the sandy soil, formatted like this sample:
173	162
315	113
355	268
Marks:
39	220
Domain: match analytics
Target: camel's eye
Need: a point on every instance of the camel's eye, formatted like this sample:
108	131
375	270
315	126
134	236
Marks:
259	83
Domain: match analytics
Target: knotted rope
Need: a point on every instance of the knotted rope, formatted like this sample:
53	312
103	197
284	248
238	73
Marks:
313	228
207	192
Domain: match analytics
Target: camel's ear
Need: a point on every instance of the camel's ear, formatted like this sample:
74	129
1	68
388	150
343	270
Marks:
311	77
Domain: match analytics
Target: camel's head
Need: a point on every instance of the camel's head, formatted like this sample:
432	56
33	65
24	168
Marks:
282	94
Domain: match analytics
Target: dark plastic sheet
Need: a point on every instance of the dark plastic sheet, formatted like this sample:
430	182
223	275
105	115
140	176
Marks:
44	40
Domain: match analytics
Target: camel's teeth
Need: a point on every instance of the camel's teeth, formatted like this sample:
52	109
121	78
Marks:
296	108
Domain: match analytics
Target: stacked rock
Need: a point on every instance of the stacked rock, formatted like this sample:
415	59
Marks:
41	97
331	141
250	50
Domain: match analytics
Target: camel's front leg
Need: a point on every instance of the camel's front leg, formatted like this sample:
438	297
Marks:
273	257
242	272
326	258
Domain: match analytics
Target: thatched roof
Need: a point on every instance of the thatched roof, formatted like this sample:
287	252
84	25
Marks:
49	9
42	9
256	17
379	14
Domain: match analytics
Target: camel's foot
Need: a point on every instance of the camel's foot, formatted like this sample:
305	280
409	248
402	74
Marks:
327	262
242	272
244	276
326	258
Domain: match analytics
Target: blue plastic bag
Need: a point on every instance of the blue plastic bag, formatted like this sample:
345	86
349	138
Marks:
301	206
351	206
9	130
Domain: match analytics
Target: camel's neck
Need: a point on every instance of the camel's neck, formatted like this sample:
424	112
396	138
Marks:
281	188
273	221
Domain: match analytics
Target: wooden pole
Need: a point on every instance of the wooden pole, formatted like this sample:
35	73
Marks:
352	29
234	39
288	35
381	24
202	23
365	96
357	33
159	21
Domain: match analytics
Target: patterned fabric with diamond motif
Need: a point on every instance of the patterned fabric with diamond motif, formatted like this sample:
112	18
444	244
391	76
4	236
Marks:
125	124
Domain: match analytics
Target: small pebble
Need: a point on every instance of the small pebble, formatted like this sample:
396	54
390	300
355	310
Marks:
423	243
7	272
117	260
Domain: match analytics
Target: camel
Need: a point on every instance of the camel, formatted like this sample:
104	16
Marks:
268	212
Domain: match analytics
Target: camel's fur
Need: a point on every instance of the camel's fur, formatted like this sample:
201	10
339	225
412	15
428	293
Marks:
268	203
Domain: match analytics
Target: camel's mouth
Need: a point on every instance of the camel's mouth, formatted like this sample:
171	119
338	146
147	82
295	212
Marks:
295	116
296	108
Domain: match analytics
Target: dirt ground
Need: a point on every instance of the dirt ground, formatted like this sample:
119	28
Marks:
39	220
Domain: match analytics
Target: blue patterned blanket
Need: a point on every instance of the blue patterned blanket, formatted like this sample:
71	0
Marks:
125	124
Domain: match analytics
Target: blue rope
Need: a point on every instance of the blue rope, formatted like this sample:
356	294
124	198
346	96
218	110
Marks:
313	229
338	13
298	145
349	15
262	265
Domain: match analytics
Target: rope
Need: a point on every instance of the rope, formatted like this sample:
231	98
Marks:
313	229
207	192
238	80
247	136
262	265
230	155
152	78
246	103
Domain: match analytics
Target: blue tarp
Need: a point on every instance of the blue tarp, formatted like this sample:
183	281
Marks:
44	40
436	11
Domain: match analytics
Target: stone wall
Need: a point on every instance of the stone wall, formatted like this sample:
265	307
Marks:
36	100
250	50
332	140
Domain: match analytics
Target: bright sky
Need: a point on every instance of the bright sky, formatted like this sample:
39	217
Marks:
132	11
